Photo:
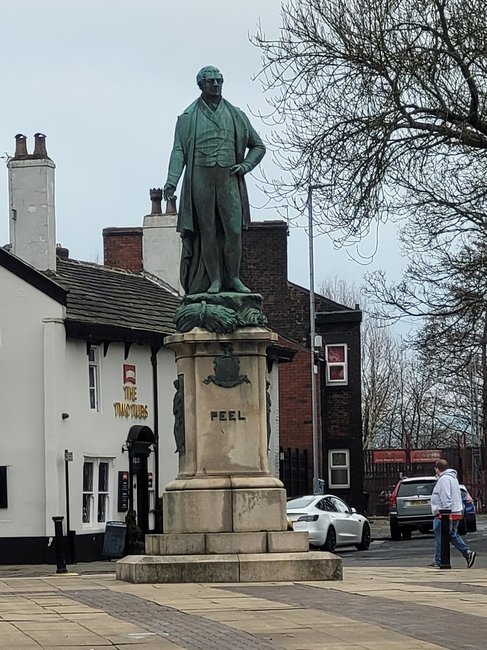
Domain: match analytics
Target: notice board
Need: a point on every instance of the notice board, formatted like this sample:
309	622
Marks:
114	540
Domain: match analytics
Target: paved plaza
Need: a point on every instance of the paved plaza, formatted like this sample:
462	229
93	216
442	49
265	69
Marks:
371	609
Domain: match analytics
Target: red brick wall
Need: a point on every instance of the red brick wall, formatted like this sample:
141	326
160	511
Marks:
122	248
264	268
295	419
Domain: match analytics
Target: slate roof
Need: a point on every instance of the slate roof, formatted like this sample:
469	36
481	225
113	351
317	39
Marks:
112	304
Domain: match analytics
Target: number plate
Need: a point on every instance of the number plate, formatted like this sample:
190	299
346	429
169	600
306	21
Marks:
419	502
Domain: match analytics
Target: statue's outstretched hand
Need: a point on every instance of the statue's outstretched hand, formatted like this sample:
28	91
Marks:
168	191
238	170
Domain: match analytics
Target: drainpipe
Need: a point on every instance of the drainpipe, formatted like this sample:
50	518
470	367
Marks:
155	395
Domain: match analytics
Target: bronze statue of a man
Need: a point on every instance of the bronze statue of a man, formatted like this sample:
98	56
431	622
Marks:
216	146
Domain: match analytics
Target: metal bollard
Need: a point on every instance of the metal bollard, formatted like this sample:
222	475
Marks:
60	555
445	539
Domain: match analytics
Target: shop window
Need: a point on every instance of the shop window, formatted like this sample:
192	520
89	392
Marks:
96	475
3	487
94	377
339	468
336	364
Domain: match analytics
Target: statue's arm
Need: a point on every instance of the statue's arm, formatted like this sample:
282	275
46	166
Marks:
255	151
177	161
256	148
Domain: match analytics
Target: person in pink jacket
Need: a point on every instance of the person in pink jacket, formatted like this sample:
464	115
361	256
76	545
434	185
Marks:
447	496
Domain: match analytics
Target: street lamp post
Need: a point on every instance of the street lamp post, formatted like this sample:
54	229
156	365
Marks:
316	473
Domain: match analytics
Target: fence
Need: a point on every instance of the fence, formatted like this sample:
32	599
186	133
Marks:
384	467
293	470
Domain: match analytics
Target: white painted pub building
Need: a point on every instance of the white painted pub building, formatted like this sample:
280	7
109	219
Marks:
86	426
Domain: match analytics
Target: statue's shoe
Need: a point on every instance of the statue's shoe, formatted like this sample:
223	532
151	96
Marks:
215	287
238	286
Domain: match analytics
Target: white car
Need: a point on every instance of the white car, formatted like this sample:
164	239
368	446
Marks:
329	521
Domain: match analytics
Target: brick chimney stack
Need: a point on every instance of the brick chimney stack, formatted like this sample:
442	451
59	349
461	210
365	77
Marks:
264	268
122	248
31	207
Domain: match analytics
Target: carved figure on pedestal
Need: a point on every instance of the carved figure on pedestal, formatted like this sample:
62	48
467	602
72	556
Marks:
178	411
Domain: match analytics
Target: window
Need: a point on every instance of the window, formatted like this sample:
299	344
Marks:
3	487
95	491
336	364
94	377
340	505
339	468
326	504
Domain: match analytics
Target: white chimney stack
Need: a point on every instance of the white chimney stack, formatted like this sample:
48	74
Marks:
161	243
31	204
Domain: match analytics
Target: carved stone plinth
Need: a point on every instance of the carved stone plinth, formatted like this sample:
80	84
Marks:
224	484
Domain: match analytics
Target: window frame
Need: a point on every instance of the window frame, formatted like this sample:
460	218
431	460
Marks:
94	492
94	373
332	466
336	364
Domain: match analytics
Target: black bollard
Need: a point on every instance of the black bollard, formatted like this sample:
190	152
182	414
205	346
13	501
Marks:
59	540
445	539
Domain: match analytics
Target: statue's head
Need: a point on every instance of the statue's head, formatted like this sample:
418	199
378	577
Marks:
208	72
210	82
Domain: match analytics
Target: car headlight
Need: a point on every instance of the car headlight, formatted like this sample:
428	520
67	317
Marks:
308	518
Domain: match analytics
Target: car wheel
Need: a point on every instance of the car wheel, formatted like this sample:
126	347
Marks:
406	533
395	531
366	538
330	541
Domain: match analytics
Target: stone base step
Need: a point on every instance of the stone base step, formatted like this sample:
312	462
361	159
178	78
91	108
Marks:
250	567
226	543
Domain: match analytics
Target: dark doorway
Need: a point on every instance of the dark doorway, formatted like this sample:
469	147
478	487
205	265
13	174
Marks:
139	444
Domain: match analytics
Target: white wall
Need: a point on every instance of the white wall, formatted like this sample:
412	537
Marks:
103	434
45	376
22	398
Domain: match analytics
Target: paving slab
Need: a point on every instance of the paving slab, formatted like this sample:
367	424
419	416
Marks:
371	609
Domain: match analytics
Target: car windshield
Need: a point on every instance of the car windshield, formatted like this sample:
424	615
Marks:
424	488
301	502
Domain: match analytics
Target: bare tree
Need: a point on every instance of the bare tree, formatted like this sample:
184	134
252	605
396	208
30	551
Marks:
448	290
408	400
382	105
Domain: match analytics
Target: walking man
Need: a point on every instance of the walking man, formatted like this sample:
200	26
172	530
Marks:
447	496
215	145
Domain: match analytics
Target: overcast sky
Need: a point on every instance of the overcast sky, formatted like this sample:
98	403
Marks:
105	81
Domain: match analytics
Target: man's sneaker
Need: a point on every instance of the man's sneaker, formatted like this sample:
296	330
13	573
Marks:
433	565
471	559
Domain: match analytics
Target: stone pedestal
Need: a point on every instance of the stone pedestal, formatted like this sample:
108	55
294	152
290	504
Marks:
224	484
225	514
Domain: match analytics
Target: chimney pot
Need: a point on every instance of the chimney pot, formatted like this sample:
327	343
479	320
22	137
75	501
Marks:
20	146
40	145
62	252
156	198
171	206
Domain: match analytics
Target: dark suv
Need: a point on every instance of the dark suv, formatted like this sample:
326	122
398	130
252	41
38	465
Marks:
410	506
